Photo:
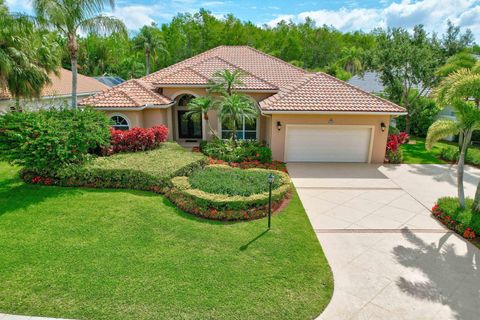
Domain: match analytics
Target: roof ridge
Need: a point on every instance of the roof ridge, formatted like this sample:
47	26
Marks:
249	73
359	89
126	95
288	90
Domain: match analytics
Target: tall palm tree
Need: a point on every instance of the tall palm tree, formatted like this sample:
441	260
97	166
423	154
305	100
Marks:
71	16
150	40
236	108
27	56
461	90
200	107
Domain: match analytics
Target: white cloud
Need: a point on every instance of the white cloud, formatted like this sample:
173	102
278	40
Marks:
20	4
136	16
212	3
405	13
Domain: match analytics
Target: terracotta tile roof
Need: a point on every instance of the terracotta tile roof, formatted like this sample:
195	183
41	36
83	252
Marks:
62	85
130	94
322	92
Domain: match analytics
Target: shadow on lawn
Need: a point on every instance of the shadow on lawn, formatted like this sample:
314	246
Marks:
245	246
453	280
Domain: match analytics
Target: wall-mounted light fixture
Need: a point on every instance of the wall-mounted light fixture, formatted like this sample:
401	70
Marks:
279	125
383	126
330	121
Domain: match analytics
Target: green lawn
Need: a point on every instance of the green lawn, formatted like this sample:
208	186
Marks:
417	154
121	254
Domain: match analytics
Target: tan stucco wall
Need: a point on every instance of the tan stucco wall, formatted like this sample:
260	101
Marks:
154	117
277	140
135	118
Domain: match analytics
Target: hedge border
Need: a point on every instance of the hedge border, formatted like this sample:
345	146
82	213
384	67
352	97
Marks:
225	207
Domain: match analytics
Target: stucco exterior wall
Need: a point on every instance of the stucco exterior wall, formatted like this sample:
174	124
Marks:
277	140
154	117
135	118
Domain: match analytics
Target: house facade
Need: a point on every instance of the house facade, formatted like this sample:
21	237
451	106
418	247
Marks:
303	116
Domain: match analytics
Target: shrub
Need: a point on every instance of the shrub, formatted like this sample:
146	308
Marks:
423	119
394	153
49	139
450	154
137	139
393	130
224	206
149	170
449	212
245	150
274	165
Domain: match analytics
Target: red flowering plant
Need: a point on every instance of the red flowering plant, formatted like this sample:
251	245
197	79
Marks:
394	153
469	234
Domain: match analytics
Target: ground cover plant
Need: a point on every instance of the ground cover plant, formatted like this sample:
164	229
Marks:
84	253
232	181
148	170
464	221
220	192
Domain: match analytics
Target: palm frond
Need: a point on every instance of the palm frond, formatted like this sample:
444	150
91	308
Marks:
103	25
440	129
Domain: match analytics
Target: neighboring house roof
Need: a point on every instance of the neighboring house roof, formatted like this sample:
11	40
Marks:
320	92
302	91
369	81
61	85
130	94
110	81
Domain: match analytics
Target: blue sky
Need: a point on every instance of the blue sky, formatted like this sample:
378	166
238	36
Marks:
346	15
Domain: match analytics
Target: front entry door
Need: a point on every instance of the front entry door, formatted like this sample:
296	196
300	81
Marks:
189	127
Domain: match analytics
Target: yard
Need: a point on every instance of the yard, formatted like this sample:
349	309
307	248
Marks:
122	254
415	153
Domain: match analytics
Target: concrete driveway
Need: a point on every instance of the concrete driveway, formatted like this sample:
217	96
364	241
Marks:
389	257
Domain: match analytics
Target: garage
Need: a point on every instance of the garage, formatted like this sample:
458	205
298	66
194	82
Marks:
328	143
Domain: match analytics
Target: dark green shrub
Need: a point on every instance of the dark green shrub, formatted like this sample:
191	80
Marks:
450	153
395	157
393	130
450	207
422	119
244	150
49	139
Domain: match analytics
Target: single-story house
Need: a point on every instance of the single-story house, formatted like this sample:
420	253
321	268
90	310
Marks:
304	116
57	93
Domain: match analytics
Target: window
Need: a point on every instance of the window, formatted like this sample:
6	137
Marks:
245	130
119	123
185	100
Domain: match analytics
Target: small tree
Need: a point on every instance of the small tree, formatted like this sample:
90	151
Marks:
69	17
199	107
150	40
352	60
234	109
226	82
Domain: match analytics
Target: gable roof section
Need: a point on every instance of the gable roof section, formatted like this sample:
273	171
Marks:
320	92
61	85
130	94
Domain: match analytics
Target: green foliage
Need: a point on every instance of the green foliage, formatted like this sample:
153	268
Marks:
427	111
440	129
451	207
225	206
149	170
243	150
395	157
393	130
457	62
49	139
231	181
450	153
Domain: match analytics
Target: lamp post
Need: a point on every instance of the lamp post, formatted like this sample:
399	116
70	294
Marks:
271	178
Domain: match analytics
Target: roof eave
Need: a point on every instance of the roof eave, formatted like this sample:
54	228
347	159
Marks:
147	106
180	85
402	113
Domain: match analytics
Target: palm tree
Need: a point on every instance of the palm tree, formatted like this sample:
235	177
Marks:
234	109
461	90
151	41
226	82
351	60
27	57
69	17
200	107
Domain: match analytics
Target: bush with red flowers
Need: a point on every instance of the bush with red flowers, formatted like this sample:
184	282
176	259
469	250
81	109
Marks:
461	220
394	153
137	139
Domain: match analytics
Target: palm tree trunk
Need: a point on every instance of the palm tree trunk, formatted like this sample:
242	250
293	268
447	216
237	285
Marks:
74	80
205	116
460	167
476	202
147	62
408	123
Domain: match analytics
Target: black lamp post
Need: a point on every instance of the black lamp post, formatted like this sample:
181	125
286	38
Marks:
271	178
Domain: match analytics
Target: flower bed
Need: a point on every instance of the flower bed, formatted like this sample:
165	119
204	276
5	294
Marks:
274	165
463	221
224	206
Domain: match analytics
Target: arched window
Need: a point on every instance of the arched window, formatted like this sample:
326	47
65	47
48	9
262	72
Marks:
185	100
119	122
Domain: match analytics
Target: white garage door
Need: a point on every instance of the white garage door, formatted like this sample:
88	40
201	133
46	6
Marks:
315	143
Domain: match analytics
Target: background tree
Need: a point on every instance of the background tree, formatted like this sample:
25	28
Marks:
352	60
27	56
454	41
150	40
407	64
69	17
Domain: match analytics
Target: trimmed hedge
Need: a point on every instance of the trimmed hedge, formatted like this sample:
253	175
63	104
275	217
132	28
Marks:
239	151
225	207
149	170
